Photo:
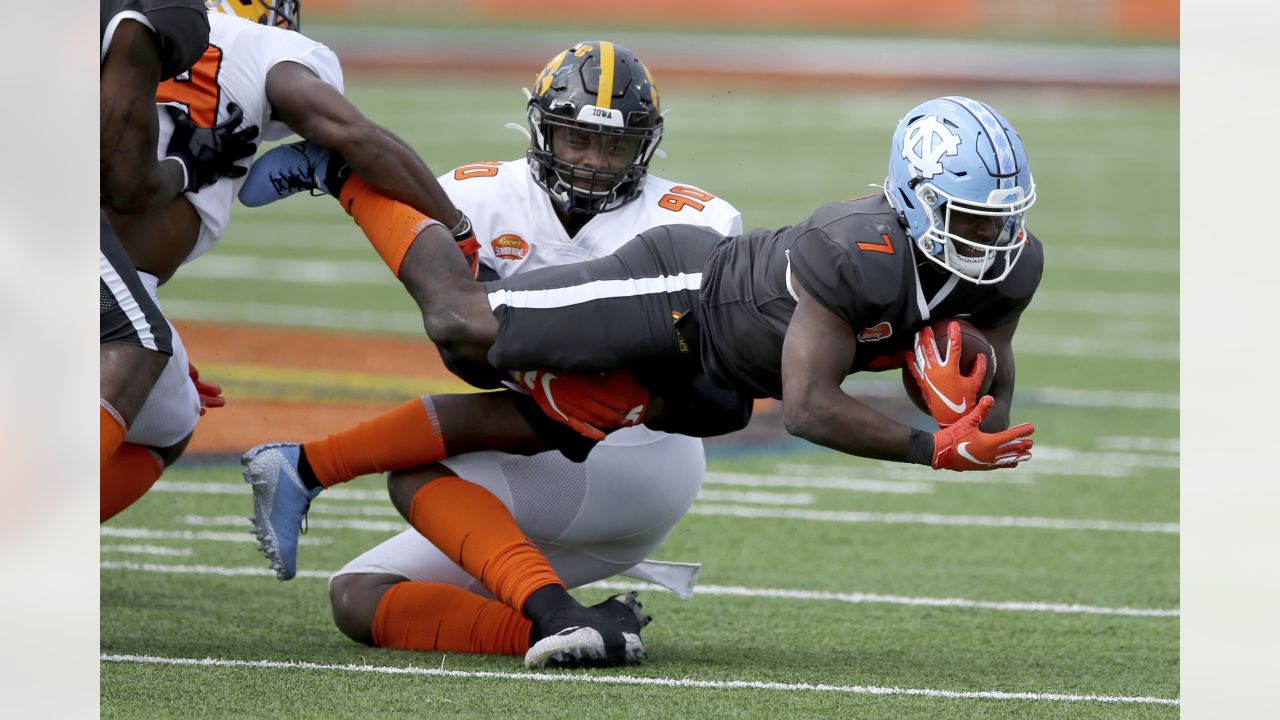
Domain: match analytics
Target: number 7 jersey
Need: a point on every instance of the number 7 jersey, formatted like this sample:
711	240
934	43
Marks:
518	229
234	69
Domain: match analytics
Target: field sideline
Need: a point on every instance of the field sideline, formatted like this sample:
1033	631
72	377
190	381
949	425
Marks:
830	586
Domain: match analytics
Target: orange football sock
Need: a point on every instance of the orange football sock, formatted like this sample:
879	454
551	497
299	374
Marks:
435	616
127	476
403	438
113	431
477	532
389	224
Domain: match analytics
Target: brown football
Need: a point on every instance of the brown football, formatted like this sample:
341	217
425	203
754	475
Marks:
972	344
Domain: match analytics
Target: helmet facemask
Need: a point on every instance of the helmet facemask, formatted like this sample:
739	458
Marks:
611	160
980	241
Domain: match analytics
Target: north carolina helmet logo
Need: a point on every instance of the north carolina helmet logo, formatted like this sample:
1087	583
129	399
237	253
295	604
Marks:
925	143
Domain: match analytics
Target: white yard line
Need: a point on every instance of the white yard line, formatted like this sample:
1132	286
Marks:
314	524
899	472
146	550
634	680
1111	304
859	598
713	590
201	535
934	519
1140	443
755	498
238	488
817	483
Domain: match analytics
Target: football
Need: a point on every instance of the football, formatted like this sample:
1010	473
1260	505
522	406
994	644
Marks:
972	344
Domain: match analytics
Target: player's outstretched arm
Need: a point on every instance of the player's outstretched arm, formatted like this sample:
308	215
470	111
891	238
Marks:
318	112
132	179
817	354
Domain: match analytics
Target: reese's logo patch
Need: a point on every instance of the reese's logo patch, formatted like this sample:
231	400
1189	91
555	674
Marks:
510	247
879	331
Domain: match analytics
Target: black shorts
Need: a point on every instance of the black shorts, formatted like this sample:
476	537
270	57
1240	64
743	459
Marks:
619	311
126	312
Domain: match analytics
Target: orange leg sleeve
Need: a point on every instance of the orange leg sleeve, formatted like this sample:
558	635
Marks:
477	532
435	616
112	429
127	476
389	224
403	438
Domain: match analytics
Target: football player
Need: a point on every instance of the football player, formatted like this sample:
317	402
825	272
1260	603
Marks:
581	191
145	42
258	70
784	313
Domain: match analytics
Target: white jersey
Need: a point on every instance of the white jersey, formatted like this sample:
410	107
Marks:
519	231
234	70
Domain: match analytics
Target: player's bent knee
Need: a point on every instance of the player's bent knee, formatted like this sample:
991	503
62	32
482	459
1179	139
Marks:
169	455
354	599
402	485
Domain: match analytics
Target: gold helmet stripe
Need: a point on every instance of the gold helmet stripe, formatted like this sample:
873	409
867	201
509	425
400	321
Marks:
604	97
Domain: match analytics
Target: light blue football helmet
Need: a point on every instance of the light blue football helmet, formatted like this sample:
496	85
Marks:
956	165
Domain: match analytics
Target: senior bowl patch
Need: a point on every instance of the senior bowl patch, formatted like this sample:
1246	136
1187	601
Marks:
510	247
879	331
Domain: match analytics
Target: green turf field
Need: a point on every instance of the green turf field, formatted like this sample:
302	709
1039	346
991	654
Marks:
822	591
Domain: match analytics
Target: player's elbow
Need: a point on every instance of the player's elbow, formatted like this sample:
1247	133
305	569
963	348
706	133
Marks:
131	198
801	417
361	142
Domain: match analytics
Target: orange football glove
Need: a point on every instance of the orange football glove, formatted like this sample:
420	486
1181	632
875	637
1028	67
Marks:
588	403
210	394
947	392
962	446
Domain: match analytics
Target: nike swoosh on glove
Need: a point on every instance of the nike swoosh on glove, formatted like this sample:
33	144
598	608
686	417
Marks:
962	446
588	403
948	393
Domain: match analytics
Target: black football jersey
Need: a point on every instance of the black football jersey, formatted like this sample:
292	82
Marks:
855	258
181	28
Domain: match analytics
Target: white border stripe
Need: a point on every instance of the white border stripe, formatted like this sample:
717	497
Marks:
713	590
859	598
934	519
633	680
595	290
124	298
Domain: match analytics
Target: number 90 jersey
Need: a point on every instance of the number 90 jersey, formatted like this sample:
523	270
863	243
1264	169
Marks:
234	69
518	230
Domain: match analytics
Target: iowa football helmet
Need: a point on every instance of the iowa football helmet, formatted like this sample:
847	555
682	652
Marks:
594	124
958	175
280	13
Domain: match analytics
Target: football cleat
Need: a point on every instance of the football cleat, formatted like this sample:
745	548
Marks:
289	169
603	635
280	503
